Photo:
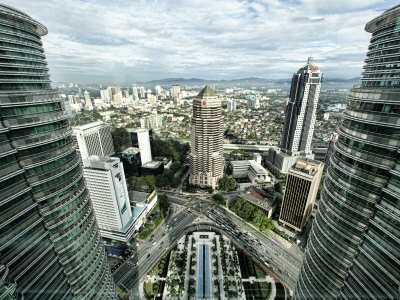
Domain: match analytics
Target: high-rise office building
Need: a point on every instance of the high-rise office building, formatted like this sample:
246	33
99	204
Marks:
153	121
176	95
353	248
88	101
94	139
142	139
301	110
142	92
175	91
206	153
301	190
158	89
111	201
50	245
135	92
231	105
300	117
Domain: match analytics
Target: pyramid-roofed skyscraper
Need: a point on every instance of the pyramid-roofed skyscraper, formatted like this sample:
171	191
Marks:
206	153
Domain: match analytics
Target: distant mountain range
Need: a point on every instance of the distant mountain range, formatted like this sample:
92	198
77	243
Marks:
328	83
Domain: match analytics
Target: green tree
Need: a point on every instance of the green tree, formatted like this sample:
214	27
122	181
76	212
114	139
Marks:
220	199
278	187
162	180
227	184
247	211
175	166
163	204
121	139
258	218
236	204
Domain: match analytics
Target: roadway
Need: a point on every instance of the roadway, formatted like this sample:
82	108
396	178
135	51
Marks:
129	275
187	210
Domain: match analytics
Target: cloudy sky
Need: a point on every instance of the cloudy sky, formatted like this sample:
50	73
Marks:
123	41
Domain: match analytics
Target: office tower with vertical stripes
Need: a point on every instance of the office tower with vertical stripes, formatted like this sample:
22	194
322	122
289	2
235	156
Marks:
206	154
353	248
50	245
301	190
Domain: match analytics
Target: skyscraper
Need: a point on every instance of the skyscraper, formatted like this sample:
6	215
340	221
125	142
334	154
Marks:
301	190
88	101
94	139
135	92
206	153
142	92
176	95
300	117
353	248
301	111
50	246
111	202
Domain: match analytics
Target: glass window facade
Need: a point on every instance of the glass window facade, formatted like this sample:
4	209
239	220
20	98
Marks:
358	220
44	205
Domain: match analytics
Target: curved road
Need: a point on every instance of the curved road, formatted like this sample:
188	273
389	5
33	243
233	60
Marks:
190	210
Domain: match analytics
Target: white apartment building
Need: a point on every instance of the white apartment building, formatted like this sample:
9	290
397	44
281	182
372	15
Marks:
151	122
94	139
105	180
141	139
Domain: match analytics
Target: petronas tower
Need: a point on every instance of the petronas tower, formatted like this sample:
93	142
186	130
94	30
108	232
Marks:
353	248
50	246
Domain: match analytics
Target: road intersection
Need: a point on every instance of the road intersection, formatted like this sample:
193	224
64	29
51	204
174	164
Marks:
187	210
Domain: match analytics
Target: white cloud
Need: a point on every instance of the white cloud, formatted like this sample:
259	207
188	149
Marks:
141	40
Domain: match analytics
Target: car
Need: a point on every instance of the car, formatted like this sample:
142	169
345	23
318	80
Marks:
148	255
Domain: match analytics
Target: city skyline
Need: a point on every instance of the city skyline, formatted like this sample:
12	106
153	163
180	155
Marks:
104	43
204	198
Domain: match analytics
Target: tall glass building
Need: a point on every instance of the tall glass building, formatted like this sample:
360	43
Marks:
50	246
353	248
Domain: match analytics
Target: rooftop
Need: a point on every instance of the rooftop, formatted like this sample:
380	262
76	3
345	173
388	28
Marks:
241	163
131	150
257	167
206	92
389	16
137	130
306	167
88	126
264	204
21	16
153	164
138	196
103	159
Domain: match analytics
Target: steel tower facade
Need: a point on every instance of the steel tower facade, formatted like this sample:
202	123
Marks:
353	248
50	245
